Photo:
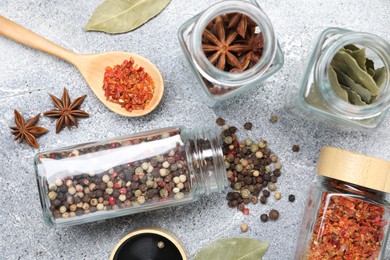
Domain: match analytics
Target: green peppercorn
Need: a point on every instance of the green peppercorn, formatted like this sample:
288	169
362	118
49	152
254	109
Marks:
228	140
239	167
272	187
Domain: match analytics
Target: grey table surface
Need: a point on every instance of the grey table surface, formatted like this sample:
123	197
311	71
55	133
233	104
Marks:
27	76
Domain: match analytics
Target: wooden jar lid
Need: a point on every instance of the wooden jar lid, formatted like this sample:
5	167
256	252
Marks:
355	168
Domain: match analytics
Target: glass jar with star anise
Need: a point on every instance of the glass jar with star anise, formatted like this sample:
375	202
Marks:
231	47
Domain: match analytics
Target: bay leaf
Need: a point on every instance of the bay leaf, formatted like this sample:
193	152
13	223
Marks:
359	55
369	64
354	97
338	90
348	82
119	16
233	249
351	47
348	65
380	76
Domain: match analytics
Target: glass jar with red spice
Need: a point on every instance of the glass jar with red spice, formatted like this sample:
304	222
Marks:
123	176
231	47
346	215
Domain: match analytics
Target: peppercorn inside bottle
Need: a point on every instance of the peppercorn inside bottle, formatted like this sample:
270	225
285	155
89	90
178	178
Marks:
128	175
346	216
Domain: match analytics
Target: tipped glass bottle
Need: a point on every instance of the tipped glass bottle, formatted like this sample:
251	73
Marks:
123	176
218	85
316	98
346	214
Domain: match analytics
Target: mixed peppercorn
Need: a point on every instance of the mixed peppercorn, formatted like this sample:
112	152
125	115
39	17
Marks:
252	170
153	179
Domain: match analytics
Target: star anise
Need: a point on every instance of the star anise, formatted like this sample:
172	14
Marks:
67	111
241	48
219	48
27	131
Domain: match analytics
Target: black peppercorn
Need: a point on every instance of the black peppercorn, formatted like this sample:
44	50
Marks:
266	193
248	126
273	214
220	121
295	148
263	200
291	198
264	217
241	206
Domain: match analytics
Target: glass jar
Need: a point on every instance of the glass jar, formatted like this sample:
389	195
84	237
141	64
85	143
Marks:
122	176
316	99
346	215
218	85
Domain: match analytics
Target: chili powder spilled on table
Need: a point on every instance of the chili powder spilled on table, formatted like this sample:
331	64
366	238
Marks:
128	85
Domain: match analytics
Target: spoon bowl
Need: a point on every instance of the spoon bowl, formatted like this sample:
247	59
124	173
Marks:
91	66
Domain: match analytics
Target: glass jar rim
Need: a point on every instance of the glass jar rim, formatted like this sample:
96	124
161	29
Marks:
209	71
321	74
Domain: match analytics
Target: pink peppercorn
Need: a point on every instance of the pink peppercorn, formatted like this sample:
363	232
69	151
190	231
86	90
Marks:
111	200
245	211
123	190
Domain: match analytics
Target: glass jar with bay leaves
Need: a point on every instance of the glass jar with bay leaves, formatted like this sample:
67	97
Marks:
123	176
346	80
230	47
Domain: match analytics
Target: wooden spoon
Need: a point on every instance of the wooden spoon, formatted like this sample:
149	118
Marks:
91	66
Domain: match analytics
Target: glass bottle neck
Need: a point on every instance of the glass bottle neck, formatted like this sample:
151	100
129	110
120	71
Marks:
205	161
372	43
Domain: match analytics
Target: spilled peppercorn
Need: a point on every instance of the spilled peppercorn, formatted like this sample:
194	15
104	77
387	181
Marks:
251	169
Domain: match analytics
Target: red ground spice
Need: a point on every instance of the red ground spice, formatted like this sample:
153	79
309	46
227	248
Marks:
128	85
347	228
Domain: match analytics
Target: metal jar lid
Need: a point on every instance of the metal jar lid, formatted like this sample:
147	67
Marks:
355	168
149	243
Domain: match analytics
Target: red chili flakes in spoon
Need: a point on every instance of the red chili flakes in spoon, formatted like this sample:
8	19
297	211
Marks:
128	85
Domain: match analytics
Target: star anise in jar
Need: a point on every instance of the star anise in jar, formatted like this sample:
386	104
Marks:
27	131
67	112
231	43
219	47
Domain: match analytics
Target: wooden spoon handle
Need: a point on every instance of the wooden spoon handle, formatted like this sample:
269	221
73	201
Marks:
24	36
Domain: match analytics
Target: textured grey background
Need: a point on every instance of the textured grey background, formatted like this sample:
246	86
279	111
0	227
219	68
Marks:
27	76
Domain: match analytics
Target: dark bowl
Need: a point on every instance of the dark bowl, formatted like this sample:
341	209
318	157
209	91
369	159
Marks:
148	244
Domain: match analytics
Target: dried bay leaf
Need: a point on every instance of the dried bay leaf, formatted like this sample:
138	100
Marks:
354	97
380	76
233	249
338	90
359	55
348	82
119	16
348	65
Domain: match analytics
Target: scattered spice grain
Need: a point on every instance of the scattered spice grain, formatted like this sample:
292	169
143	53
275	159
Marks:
264	217
295	148
220	121
248	126
273	214
291	198
274	119
244	227
160	244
